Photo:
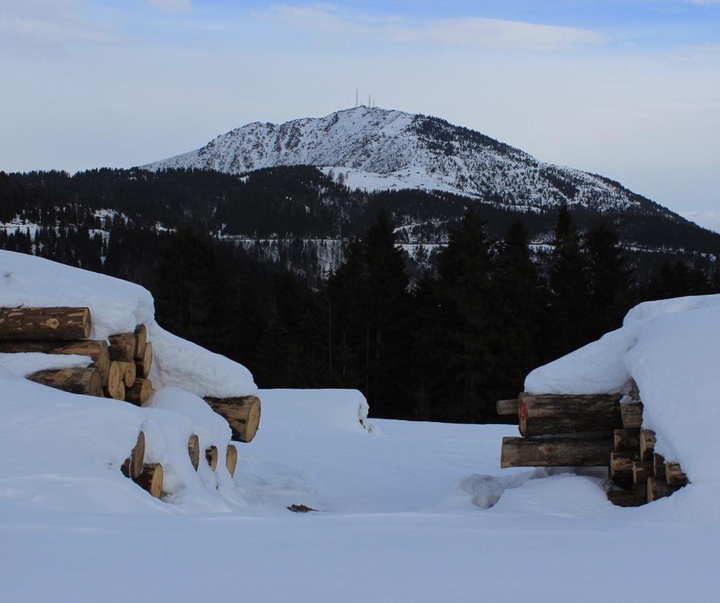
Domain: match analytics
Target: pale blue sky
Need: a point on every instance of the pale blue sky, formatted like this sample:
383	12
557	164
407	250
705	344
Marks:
627	89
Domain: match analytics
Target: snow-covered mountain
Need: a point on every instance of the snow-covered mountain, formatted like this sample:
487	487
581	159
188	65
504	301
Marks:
379	149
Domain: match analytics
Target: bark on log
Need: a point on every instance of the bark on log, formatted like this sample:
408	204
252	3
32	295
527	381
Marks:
647	444
140	341
243	415
674	475
141	390
658	488
97	350
151	479
555	452
122	347
631	415
77	380
129	373
115	388
45	324
626	439
144	364
211	455
642	470
634	390
194	450
560	414
133	465
231	459
507	407
621	466
658	465
625	498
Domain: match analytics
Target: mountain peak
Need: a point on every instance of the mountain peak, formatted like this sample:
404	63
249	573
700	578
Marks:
378	149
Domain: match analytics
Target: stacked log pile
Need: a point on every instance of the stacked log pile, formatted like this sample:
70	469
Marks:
591	431
119	369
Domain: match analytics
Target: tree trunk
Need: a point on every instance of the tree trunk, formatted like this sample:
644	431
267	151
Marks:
75	380
140	341
115	387
631	415
59	323
674	475
133	465
647	444
243	415
141	390
555	452
194	450
626	439
144	363
97	350
129	372
211	455
506	408
151	479
561	414
122	347
231	459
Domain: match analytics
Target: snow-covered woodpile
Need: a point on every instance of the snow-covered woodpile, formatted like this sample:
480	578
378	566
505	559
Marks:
117	368
594	430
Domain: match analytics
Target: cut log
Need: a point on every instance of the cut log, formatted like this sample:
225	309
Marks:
141	390
658	465
96	349
129	372
647	444
634	390
642	470
507	407
231	459
621	466
115	388
133	465
559	414
194	450
555	452
625	498
45	323
243	415
151	479
631	415
626	439
658	488
674	475
211	455
122	347
140	341
77	380
144	364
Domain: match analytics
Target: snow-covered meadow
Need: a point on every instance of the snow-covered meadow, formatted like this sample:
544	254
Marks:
405	512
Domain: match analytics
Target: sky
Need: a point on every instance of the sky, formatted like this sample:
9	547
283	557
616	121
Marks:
627	89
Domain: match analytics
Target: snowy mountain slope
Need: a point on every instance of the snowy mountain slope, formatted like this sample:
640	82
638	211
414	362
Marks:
378	149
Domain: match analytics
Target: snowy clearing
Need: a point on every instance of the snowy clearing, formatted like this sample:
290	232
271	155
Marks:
404	512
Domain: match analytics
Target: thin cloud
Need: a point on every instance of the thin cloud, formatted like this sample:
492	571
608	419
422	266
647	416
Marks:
472	31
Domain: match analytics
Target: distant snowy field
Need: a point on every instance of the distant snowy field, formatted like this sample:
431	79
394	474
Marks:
406	512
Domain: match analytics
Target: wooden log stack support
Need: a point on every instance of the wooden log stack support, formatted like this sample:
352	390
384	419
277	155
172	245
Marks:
592	430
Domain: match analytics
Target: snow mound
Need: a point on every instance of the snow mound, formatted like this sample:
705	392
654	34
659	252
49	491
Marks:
670	348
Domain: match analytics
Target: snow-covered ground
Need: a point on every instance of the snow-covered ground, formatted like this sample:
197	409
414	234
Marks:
405	512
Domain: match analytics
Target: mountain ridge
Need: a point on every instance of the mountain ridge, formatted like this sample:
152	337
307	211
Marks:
379	149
